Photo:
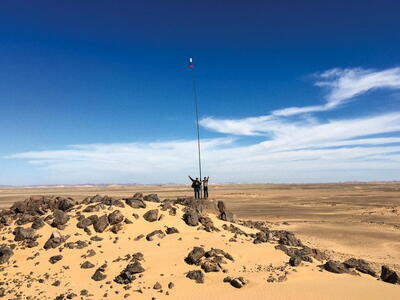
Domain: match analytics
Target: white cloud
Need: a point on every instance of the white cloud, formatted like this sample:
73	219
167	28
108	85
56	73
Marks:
296	147
344	84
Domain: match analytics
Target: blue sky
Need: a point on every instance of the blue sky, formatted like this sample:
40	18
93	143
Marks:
100	92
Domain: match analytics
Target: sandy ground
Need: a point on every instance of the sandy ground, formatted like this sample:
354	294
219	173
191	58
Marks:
361	220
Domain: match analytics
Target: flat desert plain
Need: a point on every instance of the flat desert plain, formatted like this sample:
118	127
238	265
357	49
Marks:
344	220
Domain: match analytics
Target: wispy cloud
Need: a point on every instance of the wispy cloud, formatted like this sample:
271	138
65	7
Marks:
344	84
297	146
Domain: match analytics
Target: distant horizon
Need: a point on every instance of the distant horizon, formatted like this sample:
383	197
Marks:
188	184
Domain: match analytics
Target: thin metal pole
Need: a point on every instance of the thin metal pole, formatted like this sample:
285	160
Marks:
197	126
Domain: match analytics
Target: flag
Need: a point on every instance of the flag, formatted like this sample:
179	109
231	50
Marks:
190	63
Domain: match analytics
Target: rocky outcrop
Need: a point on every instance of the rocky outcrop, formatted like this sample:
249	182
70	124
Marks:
151	215
390	276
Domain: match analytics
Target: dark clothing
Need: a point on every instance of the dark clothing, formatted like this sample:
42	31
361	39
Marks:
205	192
197	193
196	185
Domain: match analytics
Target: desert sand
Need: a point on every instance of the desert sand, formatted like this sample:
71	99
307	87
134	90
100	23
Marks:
342	221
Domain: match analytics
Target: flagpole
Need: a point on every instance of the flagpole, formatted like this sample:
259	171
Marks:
197	119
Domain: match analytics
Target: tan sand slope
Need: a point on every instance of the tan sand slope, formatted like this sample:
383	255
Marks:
28	274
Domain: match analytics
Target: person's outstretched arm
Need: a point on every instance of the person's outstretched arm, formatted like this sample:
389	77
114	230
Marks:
190	178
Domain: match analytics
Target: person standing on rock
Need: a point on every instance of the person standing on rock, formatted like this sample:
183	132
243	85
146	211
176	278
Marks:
196	185
205	187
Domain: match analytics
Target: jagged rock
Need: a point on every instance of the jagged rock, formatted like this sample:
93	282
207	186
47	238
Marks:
37	223
238	282
194	256
288	238
5	254
390	276
101	224
151	198
115	217
96	238
128	274
151	215
156	233
360	265
93	208
207	223
118	203
157	286
335	267
76	245
209	266
2	292
25	219
191	218
261	237
85	222
55	259
116	228
135	203
65	204
222	210
99	274
22	234
87	265
294	261
55	240
171	230
214	252
137	196
60	219
196	275
137	256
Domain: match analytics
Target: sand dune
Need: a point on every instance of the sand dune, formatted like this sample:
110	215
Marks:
28	274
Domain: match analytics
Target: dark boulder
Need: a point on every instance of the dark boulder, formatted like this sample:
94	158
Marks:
151	198
294	261
335	267
390	276
99	274
5	254
171	230
60	218
194	256
261	237
135	203
37	223
207	223
21	234
238	282
55	259
288	238
116	228
55	240
191	218
101	224
65	204
85	222
360	265
155	234
25	219
128	274
87	265
115	217
209	266
151	215
196	275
